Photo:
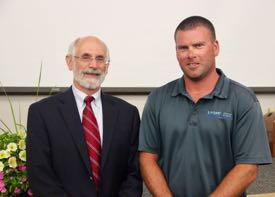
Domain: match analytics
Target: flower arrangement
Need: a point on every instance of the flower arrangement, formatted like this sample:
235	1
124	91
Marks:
13	174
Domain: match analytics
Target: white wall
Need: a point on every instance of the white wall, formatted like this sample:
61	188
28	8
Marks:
266	101
139	35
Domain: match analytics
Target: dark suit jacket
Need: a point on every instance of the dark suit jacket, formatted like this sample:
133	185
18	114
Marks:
57	158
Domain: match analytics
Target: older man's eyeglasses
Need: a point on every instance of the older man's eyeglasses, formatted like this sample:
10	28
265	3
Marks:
89	59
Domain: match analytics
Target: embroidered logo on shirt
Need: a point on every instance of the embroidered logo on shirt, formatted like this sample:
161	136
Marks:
219	115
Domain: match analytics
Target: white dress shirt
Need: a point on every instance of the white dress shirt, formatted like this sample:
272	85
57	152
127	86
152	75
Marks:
96	106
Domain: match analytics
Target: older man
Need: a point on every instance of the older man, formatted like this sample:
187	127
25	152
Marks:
83	142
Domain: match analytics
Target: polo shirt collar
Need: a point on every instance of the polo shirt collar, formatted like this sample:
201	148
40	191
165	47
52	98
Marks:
221	89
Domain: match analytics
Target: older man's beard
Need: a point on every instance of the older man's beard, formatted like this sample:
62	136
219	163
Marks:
89	83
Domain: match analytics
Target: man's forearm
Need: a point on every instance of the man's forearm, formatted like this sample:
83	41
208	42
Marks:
236	181
153	175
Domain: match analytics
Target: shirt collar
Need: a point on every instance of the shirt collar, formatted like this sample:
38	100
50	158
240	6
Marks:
221	89
80	96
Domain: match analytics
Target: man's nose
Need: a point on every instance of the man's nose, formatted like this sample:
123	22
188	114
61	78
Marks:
92	63
191	53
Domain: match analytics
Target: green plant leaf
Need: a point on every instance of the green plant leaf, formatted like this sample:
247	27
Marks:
19	118
11	107
39	79
22	126
8	129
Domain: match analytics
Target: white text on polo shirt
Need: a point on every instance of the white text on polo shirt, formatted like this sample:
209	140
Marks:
219	115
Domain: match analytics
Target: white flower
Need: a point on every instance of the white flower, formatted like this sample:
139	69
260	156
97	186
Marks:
22	134
22	155
12	162
4	154
12	147
22	144
1	166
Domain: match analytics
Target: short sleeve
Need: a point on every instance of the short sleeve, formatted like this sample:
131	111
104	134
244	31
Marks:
249	139
149	137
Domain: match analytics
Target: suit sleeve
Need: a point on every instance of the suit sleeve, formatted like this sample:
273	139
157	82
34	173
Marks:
42	178
132	186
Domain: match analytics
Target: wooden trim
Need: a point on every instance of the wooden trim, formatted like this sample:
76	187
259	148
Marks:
263	90
109	90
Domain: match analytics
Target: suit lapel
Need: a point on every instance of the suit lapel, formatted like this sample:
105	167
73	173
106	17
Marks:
71	117
110	115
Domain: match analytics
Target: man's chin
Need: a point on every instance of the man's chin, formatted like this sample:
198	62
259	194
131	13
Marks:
89	85
92	87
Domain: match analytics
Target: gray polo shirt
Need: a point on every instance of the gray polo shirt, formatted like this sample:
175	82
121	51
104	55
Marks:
199	143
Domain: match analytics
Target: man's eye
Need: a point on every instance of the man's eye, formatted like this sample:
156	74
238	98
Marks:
99	58
86	57
199	45
182	48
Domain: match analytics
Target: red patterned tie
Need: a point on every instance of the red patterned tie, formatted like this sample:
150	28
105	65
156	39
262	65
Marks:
91	132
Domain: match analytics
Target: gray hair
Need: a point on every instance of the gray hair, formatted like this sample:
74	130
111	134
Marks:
71	49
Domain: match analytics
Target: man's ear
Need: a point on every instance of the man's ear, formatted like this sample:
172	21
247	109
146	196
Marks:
107	68
216	48
69	61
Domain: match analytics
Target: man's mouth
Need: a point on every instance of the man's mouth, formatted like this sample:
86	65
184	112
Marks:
94	74
193	64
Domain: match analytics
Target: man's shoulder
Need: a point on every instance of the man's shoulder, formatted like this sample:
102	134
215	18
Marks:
52	99
164	93
166	88
242	91
116	101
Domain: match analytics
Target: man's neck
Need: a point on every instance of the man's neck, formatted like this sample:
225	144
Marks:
87	91
201	88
